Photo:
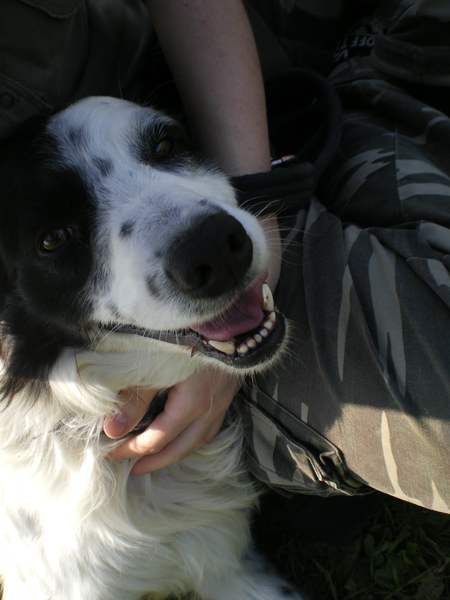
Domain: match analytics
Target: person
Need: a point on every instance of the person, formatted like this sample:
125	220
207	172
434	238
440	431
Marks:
361	401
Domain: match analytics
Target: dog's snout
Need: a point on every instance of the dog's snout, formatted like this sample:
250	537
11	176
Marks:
211	257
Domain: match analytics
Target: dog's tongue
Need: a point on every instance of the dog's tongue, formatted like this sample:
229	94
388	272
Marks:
245	314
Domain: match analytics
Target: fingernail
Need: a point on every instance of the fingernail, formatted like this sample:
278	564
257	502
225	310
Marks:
116	426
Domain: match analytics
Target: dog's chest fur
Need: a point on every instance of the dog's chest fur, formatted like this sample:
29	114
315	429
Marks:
74	526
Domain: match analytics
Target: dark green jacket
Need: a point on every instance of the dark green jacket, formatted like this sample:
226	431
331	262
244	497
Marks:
53	52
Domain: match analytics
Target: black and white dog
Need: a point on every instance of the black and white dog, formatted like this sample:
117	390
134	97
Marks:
124	262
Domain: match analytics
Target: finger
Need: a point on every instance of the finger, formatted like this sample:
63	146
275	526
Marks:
134	407
213	430
166	427
195	436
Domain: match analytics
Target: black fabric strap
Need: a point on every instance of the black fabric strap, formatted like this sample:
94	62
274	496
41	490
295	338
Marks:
280	190
305	120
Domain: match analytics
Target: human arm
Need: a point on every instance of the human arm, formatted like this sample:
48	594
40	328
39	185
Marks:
210	50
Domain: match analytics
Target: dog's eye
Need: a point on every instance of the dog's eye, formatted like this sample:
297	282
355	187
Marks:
163	148
55	239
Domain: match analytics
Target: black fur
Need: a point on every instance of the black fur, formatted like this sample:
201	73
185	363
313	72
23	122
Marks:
51	197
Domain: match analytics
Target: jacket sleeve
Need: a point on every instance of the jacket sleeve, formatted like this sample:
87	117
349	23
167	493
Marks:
53	53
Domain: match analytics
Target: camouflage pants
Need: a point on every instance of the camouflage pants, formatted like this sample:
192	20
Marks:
361	400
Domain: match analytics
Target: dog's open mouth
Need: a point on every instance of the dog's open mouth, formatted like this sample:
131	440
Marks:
247	334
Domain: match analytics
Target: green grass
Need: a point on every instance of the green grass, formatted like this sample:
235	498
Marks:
404	553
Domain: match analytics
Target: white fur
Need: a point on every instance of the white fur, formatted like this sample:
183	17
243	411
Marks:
73	525
151	198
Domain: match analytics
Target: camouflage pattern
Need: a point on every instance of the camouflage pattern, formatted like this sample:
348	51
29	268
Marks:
362	398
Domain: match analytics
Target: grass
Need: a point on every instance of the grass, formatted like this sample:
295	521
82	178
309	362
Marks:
404	553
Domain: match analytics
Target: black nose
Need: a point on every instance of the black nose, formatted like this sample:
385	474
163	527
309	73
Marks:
211	257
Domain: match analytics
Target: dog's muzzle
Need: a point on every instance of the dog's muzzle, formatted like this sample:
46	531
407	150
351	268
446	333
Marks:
241	343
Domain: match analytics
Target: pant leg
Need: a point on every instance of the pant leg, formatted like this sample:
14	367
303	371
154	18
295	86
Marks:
361	399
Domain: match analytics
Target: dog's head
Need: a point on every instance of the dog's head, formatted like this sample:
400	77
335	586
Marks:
108	223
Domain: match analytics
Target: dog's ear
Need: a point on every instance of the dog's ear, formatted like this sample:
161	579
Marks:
17	154
10	171
4	285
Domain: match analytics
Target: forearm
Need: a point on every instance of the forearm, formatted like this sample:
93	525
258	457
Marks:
210	49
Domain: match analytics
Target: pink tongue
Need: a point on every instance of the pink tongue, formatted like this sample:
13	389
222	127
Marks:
244	315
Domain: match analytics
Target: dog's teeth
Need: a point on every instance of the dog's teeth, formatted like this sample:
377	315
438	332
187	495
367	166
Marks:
268	324
243	349
227	347
267	298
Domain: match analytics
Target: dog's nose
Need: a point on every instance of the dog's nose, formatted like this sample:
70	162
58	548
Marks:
211	257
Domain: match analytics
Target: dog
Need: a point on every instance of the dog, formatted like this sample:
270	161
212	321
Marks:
125	261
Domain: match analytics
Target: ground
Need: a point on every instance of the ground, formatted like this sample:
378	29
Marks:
403	553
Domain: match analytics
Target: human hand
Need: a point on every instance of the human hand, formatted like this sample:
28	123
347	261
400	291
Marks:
193	414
